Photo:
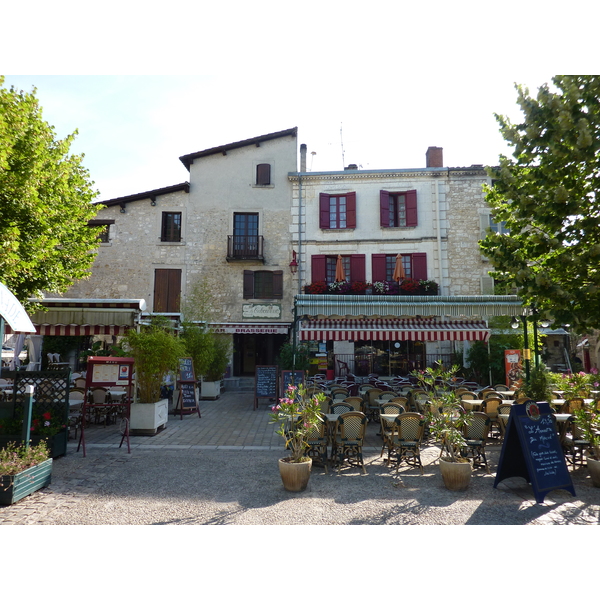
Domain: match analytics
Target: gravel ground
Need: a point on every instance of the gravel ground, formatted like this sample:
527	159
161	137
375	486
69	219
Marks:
243	487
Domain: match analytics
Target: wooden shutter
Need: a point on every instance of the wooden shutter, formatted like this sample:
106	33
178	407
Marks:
378	267
324	212
411	208
167	290
357	267
263	174
419	265
248	284
351	211
318	267
384	211
277	284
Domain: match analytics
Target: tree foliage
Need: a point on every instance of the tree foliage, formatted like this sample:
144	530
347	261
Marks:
547	195
45	202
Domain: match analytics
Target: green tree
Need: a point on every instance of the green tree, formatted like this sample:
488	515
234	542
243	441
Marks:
45	202
547	195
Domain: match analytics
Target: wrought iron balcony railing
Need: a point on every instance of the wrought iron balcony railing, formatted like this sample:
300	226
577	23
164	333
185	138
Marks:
245	247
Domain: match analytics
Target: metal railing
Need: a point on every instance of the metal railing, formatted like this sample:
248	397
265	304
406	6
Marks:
245	247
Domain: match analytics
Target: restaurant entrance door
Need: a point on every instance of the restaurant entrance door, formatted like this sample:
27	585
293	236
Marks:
255	349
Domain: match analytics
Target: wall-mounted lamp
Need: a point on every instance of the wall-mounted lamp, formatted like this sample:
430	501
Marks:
153	201
544	323
294	263
514	323
123	208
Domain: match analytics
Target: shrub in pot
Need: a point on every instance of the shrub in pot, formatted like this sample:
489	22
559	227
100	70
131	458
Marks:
446	420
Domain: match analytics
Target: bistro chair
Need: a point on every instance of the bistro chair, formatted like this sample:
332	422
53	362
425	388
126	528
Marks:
404	441
490	408
339	394
99	407
574	443
337	408
355	402
503	409
348	440
476	433
387	396
489	393
500	387
466	395
317	443
402	401
570	406
419	400
364	388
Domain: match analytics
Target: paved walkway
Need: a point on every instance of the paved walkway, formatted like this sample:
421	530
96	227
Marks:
222	469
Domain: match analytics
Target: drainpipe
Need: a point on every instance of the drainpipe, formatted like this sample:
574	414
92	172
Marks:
302	170
439	235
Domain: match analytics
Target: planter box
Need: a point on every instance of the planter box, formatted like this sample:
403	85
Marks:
57	444
15	487
210	390
149	419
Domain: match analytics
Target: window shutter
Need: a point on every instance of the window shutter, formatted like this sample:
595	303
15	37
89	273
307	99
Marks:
174	290
324	212
351	210
411	208
318	265
357	267
419	264
378	270
263	174
161	290
277	284
248	284
384	210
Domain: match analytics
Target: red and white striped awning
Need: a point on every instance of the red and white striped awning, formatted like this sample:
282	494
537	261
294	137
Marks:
46	329
425	330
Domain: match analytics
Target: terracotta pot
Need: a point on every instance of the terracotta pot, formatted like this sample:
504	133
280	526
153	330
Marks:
456	476
594	469
294	476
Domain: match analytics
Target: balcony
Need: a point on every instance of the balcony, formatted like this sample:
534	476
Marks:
245	247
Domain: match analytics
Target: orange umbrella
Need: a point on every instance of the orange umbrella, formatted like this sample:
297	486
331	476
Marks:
399	269
339	269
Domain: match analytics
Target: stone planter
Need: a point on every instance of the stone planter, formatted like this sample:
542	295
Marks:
294	476
456	476
15	487
149	419
210	390
594	470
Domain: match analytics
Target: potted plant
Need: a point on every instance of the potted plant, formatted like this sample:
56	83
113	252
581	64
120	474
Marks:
428	287
156	352
360	287
24	469
446	420
409	287
339	287
588	422
319	287
297	413
213	375
538	387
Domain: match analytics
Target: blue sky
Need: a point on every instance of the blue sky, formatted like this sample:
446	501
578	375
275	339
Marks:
374	87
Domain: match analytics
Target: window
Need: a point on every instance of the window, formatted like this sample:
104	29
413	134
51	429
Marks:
103	234
323	267
497	227
245	234
171	227
398	209
167	290
383	265
102	227
264	285
337	211
263	174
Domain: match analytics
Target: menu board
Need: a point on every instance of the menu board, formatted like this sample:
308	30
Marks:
531	450
106	371
188	394
186	369
265	380
187	387
286	379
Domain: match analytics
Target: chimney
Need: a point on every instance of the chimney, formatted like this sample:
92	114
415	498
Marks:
435	157
302	158
351	167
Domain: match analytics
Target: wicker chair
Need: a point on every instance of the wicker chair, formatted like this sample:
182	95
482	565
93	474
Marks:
570	406
355	402
503	409
403	401
490	407
500	387
348	440
337	408
574	443
404	441
419	400
467	395
476	433
387	425
339	394
98	407
318	441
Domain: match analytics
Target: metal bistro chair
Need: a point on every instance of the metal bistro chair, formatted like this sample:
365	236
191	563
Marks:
476	434
490	407
349	438
574	443
404	441
355	402
317	444
387	425
503	409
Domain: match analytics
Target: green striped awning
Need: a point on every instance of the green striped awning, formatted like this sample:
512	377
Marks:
330	305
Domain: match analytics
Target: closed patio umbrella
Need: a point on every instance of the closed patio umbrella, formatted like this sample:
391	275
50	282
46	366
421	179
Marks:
339	269
399	269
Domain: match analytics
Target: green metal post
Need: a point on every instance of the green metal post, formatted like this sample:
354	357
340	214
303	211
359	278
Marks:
27	407
526	349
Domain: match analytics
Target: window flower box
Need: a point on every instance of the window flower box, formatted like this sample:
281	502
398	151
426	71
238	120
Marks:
320	287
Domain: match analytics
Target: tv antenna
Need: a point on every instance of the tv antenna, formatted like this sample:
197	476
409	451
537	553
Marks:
342	142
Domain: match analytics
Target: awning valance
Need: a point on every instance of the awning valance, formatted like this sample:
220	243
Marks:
251	328
426	330
330	305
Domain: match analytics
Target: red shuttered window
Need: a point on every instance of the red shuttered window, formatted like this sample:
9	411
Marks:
398	209
337	211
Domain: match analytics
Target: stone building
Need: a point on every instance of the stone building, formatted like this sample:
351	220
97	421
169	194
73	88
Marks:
229	227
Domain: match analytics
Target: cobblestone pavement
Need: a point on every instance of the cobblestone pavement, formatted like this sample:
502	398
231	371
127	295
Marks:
222	469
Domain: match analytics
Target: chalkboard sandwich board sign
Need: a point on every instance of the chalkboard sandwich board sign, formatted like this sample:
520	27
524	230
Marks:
531	450
265	383
187	401
288	376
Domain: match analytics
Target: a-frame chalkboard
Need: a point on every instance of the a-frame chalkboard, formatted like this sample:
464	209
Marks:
187	401
265	383
531	450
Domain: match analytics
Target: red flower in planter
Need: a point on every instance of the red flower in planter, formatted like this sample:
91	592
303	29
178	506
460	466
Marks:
410	286
47	416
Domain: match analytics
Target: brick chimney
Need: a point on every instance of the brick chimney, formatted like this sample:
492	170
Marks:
302	158
435	156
